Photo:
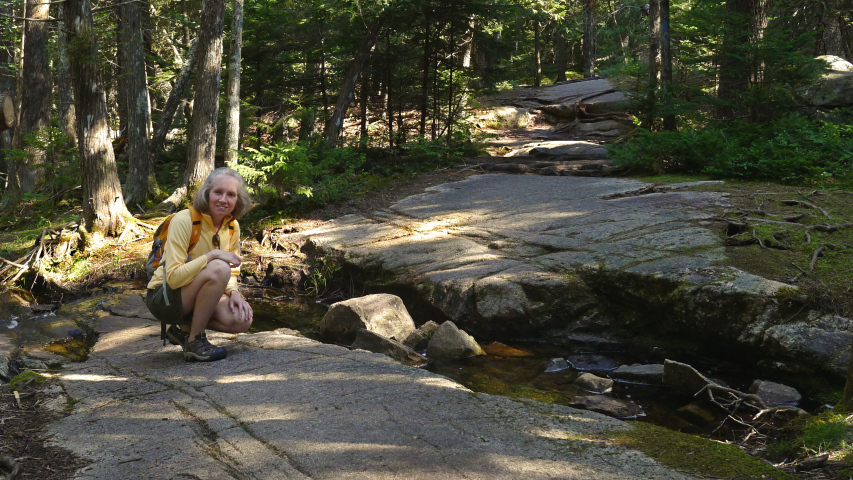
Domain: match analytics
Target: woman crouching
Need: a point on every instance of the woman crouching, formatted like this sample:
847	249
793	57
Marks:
200	287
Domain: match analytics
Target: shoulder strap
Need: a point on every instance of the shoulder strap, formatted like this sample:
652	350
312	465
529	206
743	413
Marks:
196	228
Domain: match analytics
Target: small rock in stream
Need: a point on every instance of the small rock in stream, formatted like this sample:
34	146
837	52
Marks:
651	374
450	342
592	383
775	393
609	406
557	365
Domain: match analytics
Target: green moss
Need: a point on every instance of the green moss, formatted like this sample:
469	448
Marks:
26	377
695	455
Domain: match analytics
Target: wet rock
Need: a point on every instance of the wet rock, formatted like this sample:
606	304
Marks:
132	305
498	349
775	393
592	363
373	342
593	383
683	378
557	365
697	413
609	406
450	342
380	313
419	339
652	374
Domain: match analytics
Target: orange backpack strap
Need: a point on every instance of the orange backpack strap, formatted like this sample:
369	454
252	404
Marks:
196	228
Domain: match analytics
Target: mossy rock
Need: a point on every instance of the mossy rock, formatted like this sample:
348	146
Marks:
695	455
24	378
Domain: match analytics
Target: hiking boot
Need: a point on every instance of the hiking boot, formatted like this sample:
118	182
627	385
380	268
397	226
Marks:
177	336
201	350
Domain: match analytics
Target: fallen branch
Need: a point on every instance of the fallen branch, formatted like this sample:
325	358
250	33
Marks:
13	263
805	204
817	253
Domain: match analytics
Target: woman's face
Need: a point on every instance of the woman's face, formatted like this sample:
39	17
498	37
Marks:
223	196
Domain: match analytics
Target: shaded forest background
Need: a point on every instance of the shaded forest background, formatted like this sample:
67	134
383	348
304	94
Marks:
126	106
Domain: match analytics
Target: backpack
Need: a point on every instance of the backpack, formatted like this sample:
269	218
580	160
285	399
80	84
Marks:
158	247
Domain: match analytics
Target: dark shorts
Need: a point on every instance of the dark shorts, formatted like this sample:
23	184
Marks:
166	313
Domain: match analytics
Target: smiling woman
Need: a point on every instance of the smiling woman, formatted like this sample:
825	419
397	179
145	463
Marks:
195	287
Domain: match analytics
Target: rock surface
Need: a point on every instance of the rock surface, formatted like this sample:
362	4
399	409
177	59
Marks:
286	407
509	256
419	339
775	393
450	342
611	407
833	89
652	374
684	378
380	313
373	342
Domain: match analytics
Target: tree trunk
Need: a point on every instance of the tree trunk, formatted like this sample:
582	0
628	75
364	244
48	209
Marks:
734	69
388	110
201	149
654	63
64	95
336	121
666	67
7	87
104	211
589	38
561	56
140	167
425	79
232	116
846	42
175	100
365	96
537	57
35	98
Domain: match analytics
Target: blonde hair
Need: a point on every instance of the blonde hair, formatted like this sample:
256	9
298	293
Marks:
201	202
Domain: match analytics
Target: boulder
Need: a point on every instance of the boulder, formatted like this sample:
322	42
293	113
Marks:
380	313
833	89
775	393
593	383
419	339
609	406
822	339
837	64
450	342
652	374
683	378
373	342
502	117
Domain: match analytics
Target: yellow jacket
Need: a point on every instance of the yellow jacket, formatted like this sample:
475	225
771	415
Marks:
180	271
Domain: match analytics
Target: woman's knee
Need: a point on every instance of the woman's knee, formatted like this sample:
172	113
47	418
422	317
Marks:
217	270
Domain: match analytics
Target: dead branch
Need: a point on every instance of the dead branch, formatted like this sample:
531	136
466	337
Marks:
738	397
805	204
817	253
779	409
13	263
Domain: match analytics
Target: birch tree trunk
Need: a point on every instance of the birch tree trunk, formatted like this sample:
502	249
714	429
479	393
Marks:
140	170
232	116
35	97
104	211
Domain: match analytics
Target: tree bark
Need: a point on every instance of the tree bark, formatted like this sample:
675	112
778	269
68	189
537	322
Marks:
734	67
654	63
64	95
175	99
666	67
140	168
561	56
104	211
7	86
425	78
201	149
336	121
589	38
232	116
537	57
35	98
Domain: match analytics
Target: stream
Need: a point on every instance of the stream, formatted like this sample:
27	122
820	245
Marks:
521	369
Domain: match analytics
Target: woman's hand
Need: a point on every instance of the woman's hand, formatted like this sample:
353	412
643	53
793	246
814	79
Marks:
228	257
240	307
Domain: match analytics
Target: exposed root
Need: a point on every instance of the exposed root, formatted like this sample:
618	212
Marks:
805	204
817	253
